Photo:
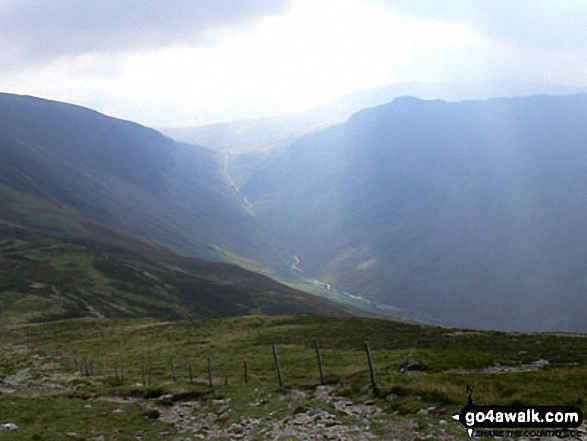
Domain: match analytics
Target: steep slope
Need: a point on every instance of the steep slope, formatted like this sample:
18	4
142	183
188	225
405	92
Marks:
120	174
472	213
104	274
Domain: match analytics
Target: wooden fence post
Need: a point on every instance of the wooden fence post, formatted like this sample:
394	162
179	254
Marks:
210	371
320	365
278	365
371	367
246	373
173	374
150	370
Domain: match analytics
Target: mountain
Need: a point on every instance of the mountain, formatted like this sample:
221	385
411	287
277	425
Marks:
259	136
466	213
62	163
245	144
469	212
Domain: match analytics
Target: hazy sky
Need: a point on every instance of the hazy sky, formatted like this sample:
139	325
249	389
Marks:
186	62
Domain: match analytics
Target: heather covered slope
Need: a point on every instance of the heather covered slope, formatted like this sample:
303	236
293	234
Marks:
98	273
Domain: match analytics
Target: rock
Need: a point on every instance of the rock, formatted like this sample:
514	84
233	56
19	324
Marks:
225	416
203	430
259	402
152	414
300	409
8	426
413	365
297	394
223	409
322	393
426	411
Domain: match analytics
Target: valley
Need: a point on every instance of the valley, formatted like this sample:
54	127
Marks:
460	213
150	288
282	220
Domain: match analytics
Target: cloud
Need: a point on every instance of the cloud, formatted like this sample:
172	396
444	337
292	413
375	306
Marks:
191	62
41	30
546	24
285	63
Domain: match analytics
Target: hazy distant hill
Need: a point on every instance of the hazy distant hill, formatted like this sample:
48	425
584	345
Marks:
265	134
122	175
471	212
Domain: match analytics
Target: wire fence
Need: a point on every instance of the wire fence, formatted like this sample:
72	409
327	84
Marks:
164	370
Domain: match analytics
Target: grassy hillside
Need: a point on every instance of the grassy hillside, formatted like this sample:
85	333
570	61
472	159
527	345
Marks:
538	369
101	273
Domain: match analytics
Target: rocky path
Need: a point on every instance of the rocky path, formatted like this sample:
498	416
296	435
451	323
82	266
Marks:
308	421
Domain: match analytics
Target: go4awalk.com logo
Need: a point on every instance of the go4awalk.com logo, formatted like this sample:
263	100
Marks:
528	421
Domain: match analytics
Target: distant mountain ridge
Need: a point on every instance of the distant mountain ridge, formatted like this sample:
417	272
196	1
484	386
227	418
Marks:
470	212
262	135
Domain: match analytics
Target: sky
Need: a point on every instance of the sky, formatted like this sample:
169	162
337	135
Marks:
190	62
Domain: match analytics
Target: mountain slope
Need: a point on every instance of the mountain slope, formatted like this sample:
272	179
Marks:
100	273
472	213
122	175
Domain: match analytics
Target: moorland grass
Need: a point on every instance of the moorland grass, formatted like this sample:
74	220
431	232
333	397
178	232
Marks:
452	358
